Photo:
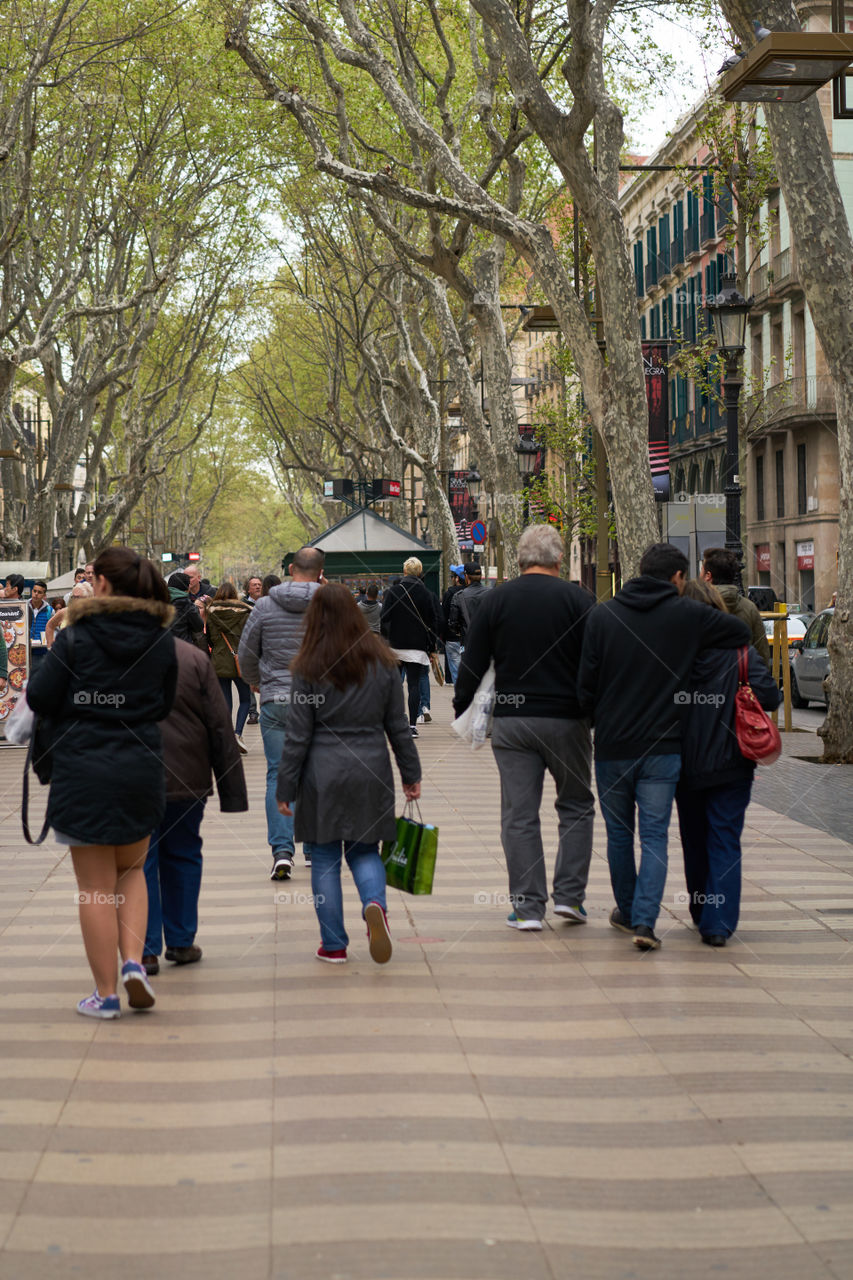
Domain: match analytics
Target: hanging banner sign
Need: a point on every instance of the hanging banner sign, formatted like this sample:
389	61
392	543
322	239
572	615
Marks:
805	555
657	398
762	558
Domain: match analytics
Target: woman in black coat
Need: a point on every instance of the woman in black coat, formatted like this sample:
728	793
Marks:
345	701
106	682
410	622
716	780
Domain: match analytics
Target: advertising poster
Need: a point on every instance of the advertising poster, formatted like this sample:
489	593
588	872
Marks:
13	621
657	395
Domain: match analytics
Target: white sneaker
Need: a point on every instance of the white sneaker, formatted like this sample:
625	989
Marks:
241	746
419	720
425	715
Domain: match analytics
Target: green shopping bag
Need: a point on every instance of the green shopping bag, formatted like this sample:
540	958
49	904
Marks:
410	858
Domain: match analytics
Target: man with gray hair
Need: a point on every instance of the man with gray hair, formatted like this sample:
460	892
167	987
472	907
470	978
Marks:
532	629
268	644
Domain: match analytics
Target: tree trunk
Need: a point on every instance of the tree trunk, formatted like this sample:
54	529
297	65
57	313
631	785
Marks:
821	236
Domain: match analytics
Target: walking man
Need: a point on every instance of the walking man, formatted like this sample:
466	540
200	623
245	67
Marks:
269	643
720	568
532	629
638	653
452	641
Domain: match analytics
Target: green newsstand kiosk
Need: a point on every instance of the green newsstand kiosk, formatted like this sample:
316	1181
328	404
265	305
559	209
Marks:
364	547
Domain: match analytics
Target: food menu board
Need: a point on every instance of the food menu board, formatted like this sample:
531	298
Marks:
13	621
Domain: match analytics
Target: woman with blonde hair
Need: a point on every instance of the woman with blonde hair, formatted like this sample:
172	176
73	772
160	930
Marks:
410	622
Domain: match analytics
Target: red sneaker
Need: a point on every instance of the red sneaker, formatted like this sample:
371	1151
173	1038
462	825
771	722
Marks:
378	933
332	957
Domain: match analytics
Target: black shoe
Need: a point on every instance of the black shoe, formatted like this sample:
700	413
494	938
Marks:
307	860
281	867
645	939
252	717
151	965
619	922
183	955
415	733
713	940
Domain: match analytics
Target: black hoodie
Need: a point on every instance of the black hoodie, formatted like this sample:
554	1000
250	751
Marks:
638	653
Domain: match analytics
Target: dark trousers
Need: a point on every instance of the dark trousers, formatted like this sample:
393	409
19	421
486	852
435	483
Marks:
244	699
412	672
173	876
711	824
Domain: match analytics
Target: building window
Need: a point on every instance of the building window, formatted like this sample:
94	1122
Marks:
759	487
801	480
780	483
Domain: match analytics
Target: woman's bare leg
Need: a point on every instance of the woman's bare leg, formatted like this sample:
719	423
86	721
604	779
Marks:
132	898
96	872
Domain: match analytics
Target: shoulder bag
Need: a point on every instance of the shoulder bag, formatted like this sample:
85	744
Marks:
757	736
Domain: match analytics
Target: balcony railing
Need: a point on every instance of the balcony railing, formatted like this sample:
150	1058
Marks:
651	272
676	251
783	268
708	227
793	398
759	280
691	239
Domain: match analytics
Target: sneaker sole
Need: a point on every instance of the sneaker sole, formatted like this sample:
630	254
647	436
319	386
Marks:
377	932
332	959
139	993
647	944
281	873
623	928
569	916
529	926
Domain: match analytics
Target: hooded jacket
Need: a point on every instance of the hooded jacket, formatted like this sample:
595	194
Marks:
638	652
272	636
225	622
105	699
372	611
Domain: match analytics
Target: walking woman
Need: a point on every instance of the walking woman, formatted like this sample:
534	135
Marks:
107	680
345	700
716	780
226	616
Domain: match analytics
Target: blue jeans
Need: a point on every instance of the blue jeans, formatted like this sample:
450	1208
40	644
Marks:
244	703
173	876
649	784
423	689
711	824
368	872
273	726
453	653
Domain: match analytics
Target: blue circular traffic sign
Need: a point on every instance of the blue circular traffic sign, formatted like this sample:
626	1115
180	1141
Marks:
478	531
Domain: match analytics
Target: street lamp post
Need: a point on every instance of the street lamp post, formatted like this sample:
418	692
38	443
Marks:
729	312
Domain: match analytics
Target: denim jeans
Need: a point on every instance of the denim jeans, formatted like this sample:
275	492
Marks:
711	824
423	689
273	727
173	876
368	872
649	784
453	654
244	703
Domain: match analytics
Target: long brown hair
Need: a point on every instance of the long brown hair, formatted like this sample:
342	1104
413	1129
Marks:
226	591
131	575
705	593
338	647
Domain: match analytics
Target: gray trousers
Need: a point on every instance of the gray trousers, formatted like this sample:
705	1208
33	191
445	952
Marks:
524	748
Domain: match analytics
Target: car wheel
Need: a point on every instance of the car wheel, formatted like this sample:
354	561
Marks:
797	699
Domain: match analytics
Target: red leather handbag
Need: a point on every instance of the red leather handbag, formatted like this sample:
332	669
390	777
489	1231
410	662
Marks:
757	735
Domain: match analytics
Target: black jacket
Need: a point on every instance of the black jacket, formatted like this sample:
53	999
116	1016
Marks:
710	756
187	623
533	628
464	605
198	736
105	699
410	616
638	653
446	601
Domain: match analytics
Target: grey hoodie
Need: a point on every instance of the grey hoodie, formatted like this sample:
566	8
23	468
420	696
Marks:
272	636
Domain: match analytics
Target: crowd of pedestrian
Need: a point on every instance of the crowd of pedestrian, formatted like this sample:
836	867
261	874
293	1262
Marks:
136	683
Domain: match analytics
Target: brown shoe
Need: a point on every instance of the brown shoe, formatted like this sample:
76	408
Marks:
183	955
151	965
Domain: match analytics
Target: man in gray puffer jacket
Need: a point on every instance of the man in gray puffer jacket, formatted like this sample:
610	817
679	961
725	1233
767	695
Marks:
270	641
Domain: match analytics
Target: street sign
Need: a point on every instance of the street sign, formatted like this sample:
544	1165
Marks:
166	556
193	555
478	532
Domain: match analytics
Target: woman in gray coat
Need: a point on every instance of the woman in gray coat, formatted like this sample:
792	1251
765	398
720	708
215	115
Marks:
346	698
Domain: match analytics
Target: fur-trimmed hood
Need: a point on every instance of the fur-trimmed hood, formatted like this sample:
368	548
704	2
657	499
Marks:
93	606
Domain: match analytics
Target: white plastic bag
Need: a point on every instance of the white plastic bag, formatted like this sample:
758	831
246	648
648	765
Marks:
19	726
475	723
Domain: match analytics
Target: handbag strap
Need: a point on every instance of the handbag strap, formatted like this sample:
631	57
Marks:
25	800
410	808
743	665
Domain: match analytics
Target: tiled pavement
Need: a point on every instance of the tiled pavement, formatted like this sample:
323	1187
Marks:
488	1105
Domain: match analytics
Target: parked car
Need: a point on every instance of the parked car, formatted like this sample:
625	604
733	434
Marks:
810	663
